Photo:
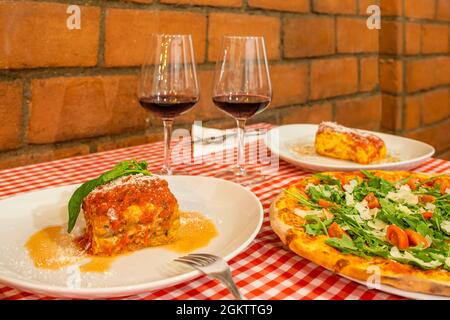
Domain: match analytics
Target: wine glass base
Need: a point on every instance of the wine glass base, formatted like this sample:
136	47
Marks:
242	177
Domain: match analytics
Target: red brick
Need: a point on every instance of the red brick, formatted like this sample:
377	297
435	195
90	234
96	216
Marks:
125	142
369	74
333	77
204	109
413	112
289	84
443	10
298	39
10	114
36	155
281	5
391	37
391	7
364	113
223	24
435	38
442	72
433	135
421	9
35	35
413	34
420	74
73	108
391	75
354	36
126	29
333	6
436	106
213	3
391	115
308	114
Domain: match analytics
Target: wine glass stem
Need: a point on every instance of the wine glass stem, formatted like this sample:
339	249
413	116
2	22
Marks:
241	146
168	123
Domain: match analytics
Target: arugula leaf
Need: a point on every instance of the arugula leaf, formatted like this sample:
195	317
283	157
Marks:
341	243
423	229
368	174
345	245
302	200
327	179
315	225
121	169
379	186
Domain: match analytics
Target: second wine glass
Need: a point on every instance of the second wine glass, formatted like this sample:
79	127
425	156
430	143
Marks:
242	89
168	84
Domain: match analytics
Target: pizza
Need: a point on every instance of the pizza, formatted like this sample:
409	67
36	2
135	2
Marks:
394	223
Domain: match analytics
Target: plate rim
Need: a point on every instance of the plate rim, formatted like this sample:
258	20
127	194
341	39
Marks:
127	290
311	164
385	288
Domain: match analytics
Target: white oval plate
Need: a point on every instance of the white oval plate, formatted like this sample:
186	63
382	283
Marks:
412	153
236	212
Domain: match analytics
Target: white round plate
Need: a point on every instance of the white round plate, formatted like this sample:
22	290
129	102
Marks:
412	153
235	211
402	293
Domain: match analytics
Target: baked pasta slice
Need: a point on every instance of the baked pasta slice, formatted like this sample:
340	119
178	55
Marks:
130	213
336	141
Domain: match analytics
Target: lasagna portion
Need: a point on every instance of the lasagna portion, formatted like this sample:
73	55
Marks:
130	213
336	141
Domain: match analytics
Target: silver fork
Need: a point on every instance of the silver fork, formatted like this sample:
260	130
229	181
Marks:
213	266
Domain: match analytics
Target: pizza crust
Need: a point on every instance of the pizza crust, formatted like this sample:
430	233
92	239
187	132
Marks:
395	274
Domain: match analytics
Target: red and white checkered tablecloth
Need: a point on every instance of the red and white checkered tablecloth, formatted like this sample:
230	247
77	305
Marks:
263	271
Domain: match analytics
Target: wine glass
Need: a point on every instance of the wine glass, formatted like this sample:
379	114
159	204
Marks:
242	89
168	84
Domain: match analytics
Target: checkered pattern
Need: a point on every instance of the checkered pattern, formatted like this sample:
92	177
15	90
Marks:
263	271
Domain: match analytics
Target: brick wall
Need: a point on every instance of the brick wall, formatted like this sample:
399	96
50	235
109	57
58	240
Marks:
71	92
415	70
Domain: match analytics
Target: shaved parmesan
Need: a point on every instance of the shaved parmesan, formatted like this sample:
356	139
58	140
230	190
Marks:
304	213
404	209
407	256
445	225
364	211
356	218
349	187
349	200
309	185
379	234
377	224
430	207
447	262
403	195
447	190
429	240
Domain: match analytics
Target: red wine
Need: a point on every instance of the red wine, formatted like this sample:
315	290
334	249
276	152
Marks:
168	106
241	106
